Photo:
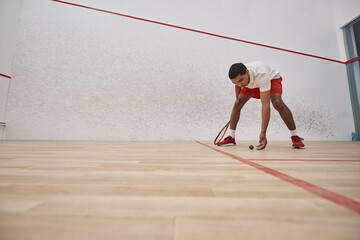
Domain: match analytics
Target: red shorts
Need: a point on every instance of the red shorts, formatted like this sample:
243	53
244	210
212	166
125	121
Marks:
276	87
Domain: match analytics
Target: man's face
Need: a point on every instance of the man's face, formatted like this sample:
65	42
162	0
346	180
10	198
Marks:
242	80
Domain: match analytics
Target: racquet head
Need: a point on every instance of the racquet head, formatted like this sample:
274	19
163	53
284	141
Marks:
221	134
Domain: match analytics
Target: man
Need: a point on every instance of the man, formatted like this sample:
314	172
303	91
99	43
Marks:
259	80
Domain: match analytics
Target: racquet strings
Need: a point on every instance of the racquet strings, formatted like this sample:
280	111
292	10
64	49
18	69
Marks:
221	134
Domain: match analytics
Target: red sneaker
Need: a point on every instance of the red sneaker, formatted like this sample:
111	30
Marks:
227	141
297	142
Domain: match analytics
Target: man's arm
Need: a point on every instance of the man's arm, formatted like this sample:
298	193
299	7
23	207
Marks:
237	91
265	118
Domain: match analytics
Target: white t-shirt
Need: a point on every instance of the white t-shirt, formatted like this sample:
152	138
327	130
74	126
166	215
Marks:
261	75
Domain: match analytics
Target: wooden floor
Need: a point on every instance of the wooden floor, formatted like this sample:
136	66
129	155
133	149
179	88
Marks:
178	190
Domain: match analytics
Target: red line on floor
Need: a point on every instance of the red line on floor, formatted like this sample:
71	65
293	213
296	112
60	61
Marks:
206	33
319	191
303	160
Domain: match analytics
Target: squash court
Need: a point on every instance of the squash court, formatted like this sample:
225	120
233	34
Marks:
109	111
178	190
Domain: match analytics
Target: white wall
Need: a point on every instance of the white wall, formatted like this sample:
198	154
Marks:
82	74
9	19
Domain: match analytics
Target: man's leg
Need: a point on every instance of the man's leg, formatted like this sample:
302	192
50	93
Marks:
235	115
288	119
284	111
238	105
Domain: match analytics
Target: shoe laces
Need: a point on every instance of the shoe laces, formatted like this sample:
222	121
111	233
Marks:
297	138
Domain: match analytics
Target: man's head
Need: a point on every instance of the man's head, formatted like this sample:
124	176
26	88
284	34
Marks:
239	74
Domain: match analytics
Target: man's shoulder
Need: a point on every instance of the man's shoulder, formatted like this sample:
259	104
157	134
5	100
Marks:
258	67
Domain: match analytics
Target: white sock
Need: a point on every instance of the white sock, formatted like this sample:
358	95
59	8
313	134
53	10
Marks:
232	133
293	133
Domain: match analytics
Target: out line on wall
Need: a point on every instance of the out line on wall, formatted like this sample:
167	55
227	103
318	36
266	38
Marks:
207	33
3	75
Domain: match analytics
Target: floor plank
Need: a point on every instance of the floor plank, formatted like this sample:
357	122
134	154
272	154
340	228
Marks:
174	190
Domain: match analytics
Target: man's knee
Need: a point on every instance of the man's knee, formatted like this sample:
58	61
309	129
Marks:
278	104
239	103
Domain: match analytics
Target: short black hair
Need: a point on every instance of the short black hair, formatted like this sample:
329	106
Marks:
236	69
